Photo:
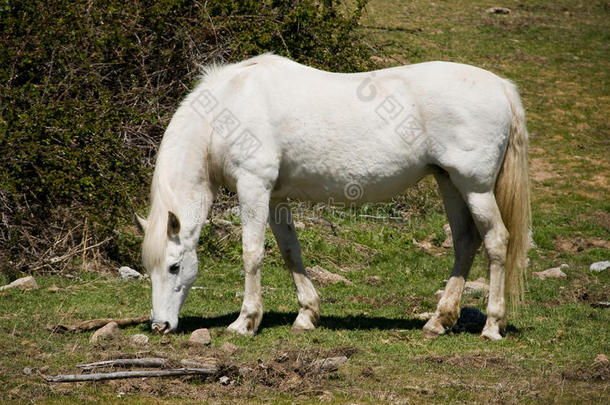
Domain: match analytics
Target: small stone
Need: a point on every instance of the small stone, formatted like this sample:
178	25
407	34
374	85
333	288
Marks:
601	359
139	339
424	316
53	288
328	365
448	242
325	277
373	280
200	337
245	371
498	10
477	286
554	272
229	348
598	267
109	331
24	283
28	371
224	380
127	273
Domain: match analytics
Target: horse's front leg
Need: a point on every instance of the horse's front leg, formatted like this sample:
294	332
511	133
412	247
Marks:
254	203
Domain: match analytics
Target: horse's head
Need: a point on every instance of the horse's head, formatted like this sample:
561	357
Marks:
169	255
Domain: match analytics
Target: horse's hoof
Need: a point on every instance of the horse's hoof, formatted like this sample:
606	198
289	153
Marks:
303	323
491	334
433	329
241	327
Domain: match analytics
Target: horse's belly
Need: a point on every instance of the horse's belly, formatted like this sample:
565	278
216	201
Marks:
320	182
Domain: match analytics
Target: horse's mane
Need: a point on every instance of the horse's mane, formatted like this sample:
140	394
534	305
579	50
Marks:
155	237
161	194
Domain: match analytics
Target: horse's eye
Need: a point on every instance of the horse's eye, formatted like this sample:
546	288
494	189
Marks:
174	268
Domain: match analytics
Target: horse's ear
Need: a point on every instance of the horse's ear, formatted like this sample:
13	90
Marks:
173	225
142	223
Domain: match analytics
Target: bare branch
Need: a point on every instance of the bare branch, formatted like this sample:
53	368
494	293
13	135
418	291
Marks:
144	362
97	323
207	372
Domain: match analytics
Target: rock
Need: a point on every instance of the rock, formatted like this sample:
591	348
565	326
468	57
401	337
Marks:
127	273
598	267
477	286
245	372
200	337
424	316
24	283
448	242
373	280
229	348
28	370
600	359
108	331
328	365
325	277
553	272
139	339
224	380
498	10
53	288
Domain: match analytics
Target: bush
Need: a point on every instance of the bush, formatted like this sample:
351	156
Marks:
87	89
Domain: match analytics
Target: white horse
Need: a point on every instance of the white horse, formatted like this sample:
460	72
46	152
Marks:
271	129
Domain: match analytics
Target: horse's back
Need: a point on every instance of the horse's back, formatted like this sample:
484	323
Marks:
382	130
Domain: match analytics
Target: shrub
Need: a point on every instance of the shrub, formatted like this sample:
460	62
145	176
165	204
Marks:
87	89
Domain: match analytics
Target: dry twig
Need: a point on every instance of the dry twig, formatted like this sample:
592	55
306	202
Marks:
207	372
97	323
144	362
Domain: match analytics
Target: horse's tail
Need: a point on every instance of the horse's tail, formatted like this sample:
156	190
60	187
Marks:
513	198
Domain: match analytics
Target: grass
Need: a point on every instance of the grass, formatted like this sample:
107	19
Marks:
558	53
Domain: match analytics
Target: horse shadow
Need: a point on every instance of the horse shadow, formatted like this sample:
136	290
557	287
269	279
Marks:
471	321
273	319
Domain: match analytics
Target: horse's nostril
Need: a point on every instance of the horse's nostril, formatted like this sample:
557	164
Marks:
160	327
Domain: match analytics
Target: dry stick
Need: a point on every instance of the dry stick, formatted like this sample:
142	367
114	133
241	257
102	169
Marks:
98	323
208	372
144	362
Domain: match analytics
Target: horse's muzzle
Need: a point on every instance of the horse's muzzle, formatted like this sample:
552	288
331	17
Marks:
161	327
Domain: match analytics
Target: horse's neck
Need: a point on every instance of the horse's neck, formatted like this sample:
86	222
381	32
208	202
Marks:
182	172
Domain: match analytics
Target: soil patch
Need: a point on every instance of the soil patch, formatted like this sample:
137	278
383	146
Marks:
594	372
578	244
475	360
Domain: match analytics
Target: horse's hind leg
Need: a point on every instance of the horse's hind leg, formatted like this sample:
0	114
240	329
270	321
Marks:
466	241
280	219
489	222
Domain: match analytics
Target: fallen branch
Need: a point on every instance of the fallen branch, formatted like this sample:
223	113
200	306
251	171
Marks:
97	323
144	362
206	369
208	372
